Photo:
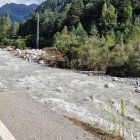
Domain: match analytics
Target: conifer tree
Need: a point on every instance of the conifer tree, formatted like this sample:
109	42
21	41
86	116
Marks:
74	13
13	29
80	32
108	20
5	25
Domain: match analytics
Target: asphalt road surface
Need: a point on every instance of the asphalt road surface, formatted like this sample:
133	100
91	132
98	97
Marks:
22	118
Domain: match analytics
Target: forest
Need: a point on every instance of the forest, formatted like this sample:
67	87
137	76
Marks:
102	35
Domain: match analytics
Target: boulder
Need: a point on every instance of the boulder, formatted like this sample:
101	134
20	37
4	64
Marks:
110	85
60	89
114	79
41	62
87	99
137	90
9	48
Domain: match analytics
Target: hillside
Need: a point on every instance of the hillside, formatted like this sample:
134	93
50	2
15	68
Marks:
18	12
53	5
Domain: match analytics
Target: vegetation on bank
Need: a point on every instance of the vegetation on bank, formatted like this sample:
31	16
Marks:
95	131
118	118
92	34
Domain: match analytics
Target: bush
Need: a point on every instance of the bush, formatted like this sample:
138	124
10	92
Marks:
130	69
30	40
7	42
18	43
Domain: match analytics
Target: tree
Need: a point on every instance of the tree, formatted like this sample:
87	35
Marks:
74	13
125	12
108	21
93	30
13	29
5	25
104	9
80	32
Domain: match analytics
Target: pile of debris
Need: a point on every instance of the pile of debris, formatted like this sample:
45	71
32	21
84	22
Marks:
31	55
54	57
49	56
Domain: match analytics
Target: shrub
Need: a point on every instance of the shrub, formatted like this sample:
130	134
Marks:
7	42
18	43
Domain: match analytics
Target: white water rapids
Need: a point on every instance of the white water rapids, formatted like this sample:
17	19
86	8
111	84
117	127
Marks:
73	94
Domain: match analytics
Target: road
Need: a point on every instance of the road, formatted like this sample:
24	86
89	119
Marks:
22	118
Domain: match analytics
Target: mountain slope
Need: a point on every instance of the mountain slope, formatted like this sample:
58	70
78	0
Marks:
53	5
17	12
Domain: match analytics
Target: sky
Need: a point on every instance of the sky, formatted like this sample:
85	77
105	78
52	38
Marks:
2	2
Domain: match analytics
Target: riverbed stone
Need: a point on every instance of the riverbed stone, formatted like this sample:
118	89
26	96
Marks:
60	89
137	90
41	62
114	79
110	85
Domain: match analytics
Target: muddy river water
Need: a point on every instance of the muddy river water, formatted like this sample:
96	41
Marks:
71	93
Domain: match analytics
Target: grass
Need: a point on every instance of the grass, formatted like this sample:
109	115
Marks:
104	135
95	131
123	114
137	108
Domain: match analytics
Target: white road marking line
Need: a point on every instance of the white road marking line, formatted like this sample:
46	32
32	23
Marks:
5	134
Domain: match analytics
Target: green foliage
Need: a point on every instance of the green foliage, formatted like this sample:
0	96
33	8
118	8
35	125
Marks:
84	54
123	107
8	33
108	21
80	32
118	56
53	5
7	42
134	64
93	30
74	13
18	43
137	108
4	26
13	29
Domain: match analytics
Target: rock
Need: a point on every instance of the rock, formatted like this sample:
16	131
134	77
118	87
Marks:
92	97
9	48
130	118
60	89
87	99
41	62
115	105
90	74
2	86
137	90
50	56
114	79
110	85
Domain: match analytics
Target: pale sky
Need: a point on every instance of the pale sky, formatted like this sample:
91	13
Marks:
2	2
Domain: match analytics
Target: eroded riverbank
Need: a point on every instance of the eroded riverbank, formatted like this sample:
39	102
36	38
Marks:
74	94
